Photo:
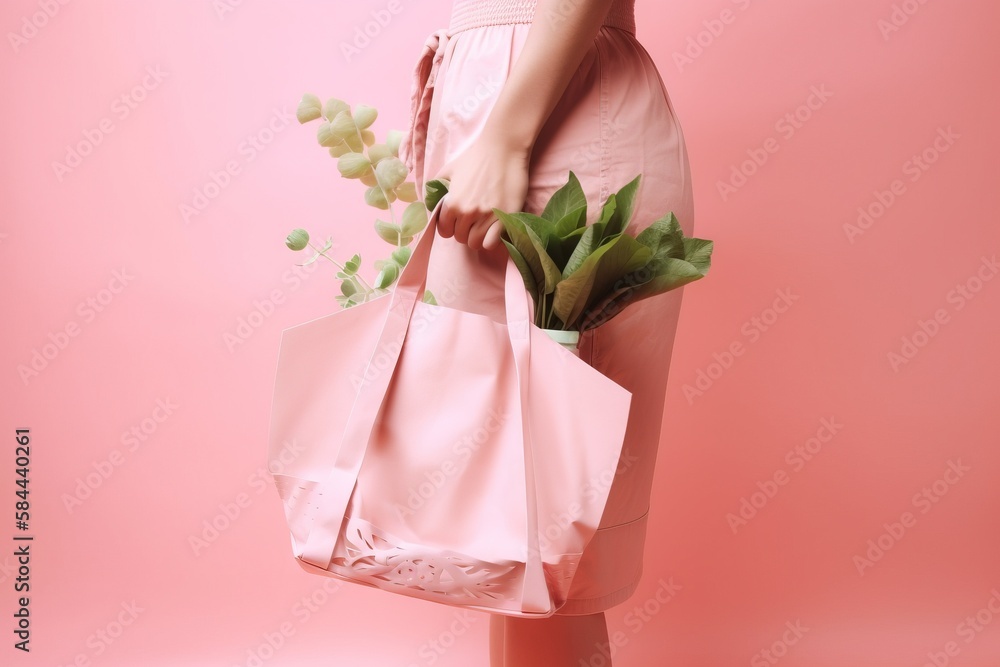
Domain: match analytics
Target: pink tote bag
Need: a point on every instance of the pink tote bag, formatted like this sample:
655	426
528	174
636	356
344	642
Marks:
439	454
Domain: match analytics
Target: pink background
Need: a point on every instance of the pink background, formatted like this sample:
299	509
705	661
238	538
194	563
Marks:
121	563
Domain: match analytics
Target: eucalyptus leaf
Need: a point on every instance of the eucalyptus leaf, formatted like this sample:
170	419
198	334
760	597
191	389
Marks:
414	219
352	265
348	287
387	231
387	275
429	298
401	255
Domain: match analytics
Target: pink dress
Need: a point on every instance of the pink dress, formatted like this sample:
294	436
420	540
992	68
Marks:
614	121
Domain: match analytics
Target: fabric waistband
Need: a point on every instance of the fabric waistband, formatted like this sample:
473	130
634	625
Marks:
466	14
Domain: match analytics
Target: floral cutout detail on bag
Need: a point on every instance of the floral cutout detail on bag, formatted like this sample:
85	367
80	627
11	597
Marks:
372	553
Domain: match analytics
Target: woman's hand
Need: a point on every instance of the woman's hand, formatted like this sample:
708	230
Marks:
491	173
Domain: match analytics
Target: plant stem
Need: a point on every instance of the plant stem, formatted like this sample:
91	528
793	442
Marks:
359	282
392	214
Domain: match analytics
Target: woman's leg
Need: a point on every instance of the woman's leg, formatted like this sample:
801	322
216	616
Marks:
496	640
556	641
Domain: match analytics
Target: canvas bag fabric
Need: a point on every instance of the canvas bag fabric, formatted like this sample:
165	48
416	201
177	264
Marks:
439	454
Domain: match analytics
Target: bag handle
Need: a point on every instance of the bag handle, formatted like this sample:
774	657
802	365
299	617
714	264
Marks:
339	485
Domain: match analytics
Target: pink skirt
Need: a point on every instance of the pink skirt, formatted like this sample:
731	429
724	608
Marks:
614	121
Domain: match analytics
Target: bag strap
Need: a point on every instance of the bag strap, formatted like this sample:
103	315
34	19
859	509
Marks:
339	485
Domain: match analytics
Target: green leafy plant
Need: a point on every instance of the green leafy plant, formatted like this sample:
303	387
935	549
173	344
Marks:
579	275
347	135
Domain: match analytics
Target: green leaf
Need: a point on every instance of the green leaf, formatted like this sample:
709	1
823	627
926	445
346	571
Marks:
698	253
541	227
351	266
550	271
348	287
434	190
606	218
518	235
387	231
570	222
661	274
566	199
401	255
524	269
327	245
589	241
624	200
598	273
414	219
387	275
310	260
429	298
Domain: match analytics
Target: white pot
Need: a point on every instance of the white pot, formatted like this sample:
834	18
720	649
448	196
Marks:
568	339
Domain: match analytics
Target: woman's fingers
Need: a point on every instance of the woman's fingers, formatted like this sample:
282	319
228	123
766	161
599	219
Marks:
492	238
478	231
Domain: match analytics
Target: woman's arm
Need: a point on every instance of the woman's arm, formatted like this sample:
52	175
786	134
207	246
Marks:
493	170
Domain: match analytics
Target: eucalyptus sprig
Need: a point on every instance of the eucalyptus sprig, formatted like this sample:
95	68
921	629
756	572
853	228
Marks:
579	275
347	135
